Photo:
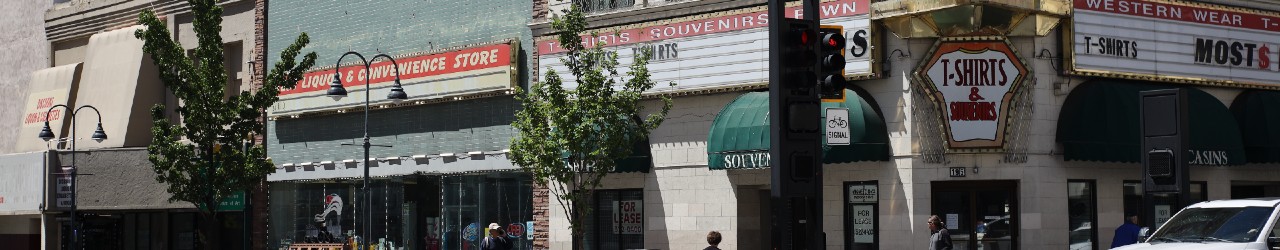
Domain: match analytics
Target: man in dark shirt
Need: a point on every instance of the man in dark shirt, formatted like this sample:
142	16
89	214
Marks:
1127	233
713	238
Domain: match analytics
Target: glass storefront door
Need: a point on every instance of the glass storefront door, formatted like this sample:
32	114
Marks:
978	214
472	202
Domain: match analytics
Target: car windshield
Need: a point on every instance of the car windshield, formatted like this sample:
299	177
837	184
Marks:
1225	224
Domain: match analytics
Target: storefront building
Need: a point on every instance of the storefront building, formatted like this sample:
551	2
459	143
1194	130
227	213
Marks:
439	168
998	118
95	60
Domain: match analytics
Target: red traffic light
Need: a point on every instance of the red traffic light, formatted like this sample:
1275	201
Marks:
800	37
832	40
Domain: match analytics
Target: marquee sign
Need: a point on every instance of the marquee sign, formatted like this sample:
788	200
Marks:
973	81
727	49
1176	41
472	70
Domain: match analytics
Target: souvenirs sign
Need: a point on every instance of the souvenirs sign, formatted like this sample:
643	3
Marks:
1172	40
424	76
973	81
720	50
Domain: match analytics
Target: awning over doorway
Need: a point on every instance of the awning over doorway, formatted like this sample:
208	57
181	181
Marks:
739	136
1258	114
1100	122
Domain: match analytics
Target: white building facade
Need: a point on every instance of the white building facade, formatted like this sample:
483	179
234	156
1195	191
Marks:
1000	126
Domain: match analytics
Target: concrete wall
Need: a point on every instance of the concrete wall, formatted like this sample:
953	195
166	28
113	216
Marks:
24	48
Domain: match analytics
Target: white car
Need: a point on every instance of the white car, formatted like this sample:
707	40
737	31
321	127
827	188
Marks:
1244	224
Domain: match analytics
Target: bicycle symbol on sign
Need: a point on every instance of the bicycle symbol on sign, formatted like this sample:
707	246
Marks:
837	122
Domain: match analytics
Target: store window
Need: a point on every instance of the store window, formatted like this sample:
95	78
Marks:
472	202
596	6
1133	201
1082	203
329	211
861	208
618	220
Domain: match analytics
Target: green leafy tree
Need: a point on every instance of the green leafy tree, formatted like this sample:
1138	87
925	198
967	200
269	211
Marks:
191	157
569	139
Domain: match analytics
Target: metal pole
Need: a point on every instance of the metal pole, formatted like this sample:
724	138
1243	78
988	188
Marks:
75	237
368	196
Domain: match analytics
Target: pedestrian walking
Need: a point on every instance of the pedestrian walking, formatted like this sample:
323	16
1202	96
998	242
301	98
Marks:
1127	233
495	239
940	239
713	239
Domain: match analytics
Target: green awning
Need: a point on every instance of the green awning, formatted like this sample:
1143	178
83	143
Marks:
640	161
1099	121
1258	114
739	136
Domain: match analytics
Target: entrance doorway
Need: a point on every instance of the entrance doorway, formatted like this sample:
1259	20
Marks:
978	214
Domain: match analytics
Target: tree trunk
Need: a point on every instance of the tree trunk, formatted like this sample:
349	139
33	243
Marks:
210	231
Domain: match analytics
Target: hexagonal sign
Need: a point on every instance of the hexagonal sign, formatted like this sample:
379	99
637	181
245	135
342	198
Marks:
973	82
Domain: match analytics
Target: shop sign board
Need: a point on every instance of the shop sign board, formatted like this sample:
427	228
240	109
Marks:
864	193
628	217
1173	40
727	49
20	183
424	76
973	80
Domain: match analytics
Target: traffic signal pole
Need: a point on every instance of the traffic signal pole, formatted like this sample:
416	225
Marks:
794	129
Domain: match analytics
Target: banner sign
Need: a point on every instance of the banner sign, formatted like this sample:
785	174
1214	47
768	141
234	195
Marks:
973	82
1175	41
465	71
718	50
628	217
20	183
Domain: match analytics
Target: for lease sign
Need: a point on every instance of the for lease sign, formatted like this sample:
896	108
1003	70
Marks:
628	217
1175	40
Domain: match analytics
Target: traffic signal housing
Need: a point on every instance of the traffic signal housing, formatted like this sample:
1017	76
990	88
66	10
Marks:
831	62
799	50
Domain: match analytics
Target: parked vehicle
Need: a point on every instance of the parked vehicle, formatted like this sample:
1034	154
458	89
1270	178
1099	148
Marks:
1245	224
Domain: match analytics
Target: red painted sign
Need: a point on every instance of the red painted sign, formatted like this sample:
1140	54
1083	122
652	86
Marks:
759	19
1167	11
491	56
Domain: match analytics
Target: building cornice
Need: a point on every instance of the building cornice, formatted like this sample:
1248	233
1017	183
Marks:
77	19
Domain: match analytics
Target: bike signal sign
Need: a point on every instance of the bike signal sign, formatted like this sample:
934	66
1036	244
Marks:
837	126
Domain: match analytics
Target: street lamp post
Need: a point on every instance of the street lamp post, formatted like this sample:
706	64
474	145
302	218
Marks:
336	91
46	134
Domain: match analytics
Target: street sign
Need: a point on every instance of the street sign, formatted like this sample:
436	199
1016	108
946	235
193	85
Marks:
837	126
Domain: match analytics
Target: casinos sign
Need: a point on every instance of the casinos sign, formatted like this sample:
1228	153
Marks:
973	81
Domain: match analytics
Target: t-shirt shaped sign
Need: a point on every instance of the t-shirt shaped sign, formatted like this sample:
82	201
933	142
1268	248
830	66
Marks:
973	82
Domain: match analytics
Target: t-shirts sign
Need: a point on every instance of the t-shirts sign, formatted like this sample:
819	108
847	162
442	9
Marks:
628	217
973	81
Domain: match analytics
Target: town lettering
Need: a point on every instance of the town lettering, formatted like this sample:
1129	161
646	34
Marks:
973	111
1111	46
1201	157
974	72
658	52
747	160
859	41
1225	53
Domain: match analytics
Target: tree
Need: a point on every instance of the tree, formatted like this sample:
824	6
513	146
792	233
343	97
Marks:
206	158
569	139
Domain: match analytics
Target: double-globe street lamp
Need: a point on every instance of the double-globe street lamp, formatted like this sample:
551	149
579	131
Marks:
46	134
336	91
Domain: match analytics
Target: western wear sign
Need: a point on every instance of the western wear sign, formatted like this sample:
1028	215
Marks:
1176	41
